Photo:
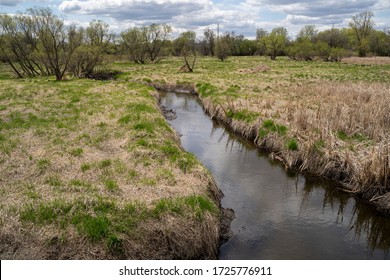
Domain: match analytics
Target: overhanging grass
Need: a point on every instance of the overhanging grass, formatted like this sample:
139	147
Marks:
102	218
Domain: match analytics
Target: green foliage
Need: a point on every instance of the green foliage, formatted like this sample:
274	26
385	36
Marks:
275	42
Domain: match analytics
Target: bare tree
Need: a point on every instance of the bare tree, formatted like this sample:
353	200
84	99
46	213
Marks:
224	46
95	41
155	37
209	41
146	42
308	32
362	24
18	46
135	43
186	43
56	43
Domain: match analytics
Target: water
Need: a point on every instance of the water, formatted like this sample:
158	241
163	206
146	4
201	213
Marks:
278	215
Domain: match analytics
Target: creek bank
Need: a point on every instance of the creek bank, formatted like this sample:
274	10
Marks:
316	165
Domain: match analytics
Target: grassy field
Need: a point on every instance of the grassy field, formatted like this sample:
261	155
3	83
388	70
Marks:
91	170
330	119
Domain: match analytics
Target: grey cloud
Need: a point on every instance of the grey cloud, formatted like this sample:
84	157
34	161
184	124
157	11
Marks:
318	8
10	2
134	10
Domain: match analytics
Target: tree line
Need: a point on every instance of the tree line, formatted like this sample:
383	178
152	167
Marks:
37	42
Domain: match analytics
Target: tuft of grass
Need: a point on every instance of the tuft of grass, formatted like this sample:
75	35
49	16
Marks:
144	125
206	89
187	162
76	152
85	167
125	119
54	181
43	164
105	163
80	183
292	144
270	126
95	228
244	115
342	135
111	185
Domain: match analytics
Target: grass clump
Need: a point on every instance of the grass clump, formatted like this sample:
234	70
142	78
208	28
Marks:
244	115
95	228
111	185
292	144
105	163
270	126
54	181
43	164
206	89
85	167
76	152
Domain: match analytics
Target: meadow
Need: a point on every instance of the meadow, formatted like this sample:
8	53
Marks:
91	169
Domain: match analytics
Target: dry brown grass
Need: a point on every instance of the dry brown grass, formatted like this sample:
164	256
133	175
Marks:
342	130
367	60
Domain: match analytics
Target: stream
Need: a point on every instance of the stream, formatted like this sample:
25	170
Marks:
279	215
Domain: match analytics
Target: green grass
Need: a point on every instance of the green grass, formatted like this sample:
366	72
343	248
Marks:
111	185
103	219
105	163
292	144
206	89
43	164
244	115
270	126
76	152
85	167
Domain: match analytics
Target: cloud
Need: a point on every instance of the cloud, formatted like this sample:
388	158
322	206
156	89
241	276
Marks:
10	2
136	10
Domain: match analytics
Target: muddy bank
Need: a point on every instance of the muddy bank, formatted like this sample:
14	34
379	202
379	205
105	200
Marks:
305	160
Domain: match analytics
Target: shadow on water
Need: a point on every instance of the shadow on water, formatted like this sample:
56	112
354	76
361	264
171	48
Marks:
364	221
279	214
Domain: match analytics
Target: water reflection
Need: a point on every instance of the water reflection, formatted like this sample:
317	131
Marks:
279	214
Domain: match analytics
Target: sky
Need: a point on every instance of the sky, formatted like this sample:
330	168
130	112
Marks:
241	16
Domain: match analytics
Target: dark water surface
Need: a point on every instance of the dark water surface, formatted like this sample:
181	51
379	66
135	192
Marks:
278	215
